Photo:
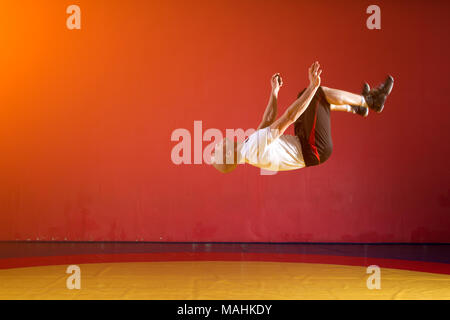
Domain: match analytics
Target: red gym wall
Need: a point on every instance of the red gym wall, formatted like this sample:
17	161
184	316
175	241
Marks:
86	118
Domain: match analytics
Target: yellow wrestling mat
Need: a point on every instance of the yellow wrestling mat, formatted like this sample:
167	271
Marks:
219	280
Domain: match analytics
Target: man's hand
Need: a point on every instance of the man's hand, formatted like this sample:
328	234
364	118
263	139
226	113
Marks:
276	82
314	75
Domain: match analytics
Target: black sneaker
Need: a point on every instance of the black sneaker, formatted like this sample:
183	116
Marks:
376	98
360	110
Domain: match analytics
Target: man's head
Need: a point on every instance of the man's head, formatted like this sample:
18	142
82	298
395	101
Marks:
225	156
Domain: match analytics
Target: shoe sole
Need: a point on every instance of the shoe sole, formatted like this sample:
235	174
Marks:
366	114
392	84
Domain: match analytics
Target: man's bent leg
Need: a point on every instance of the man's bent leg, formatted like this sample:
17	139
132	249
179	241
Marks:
341	97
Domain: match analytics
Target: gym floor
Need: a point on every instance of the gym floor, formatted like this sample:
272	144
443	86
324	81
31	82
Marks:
129	270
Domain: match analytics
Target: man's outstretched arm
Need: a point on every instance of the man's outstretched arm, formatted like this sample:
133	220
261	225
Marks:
299	106
271	110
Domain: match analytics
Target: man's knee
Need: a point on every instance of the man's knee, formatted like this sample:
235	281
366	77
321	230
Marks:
326	152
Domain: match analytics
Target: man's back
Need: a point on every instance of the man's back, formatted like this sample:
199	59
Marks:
280	154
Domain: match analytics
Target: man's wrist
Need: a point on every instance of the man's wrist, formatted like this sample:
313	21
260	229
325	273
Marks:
313	86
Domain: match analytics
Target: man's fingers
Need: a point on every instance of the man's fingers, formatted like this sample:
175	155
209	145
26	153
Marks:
316	66
275	76
313	70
